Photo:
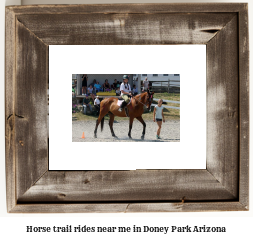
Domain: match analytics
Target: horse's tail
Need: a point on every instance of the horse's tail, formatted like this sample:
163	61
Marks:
102	123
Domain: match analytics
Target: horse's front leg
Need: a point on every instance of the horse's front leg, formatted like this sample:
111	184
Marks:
140	119
131	119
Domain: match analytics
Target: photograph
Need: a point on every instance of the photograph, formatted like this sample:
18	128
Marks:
125	107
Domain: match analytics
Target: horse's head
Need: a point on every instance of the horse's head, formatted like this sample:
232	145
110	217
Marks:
149	99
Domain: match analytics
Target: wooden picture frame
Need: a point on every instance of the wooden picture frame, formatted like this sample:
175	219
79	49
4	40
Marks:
222	186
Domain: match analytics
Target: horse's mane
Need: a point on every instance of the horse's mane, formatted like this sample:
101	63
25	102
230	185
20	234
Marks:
140	94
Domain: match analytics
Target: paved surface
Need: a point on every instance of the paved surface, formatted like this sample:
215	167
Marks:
170	131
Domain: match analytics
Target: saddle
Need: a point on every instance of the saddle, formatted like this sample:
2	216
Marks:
126	109
120	101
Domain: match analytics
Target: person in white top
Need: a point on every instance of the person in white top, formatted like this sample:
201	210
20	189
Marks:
97	101
146	84
159	117
125	90
90	92
97	104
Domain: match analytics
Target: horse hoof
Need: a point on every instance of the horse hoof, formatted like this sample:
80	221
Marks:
95	136
130	137
142	137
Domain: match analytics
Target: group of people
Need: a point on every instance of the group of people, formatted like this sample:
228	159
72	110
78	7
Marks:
95	87
86	103
124	89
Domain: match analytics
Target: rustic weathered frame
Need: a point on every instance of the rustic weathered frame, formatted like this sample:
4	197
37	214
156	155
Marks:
223	186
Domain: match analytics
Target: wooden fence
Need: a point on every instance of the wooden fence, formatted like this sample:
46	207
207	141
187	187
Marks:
170	86
176	102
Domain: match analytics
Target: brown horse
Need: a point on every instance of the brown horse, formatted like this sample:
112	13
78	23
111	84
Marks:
135	110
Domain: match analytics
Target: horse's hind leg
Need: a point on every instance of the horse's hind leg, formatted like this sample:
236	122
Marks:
111	123
130	126
140	119
96	127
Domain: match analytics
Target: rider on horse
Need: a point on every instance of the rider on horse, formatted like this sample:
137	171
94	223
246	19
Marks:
125	90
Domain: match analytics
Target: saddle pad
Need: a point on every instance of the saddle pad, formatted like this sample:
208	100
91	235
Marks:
121	101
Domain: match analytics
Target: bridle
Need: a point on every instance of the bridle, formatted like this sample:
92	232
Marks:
148	101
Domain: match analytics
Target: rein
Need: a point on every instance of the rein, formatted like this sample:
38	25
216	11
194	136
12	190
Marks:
140	101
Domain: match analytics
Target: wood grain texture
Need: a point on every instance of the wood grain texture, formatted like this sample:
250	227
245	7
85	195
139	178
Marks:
132	29
153	8
186	207
244	106
30	108
9	108
140	185
222	107
129	207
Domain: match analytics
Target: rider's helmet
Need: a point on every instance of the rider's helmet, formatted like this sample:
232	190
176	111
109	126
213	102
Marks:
125	77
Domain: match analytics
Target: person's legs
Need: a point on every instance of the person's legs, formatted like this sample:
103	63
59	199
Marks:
90	107
84	109
124	103
97	108
159	123
126	98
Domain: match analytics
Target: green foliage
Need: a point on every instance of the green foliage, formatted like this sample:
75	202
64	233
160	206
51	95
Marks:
75	108
168	96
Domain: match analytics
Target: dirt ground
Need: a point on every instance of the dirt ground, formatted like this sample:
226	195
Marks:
170	131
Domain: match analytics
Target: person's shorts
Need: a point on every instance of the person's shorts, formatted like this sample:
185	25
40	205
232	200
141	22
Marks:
84	83
157	119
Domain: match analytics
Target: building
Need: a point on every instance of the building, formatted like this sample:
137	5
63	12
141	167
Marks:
161	80
159	77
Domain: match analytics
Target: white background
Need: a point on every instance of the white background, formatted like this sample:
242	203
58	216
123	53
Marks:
239	224
189	153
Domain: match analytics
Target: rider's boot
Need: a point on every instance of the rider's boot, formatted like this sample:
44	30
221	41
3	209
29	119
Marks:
122	106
